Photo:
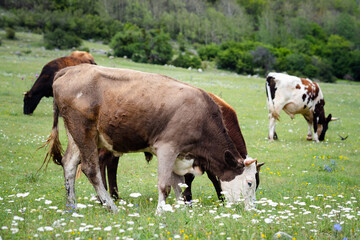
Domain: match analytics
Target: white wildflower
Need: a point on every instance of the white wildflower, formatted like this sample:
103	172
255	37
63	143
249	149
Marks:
77	215
108	228
135	195
22	194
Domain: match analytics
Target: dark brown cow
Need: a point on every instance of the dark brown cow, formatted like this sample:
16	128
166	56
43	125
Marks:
130	111
43	85
109	163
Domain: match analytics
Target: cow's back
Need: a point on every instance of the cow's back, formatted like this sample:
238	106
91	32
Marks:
133	108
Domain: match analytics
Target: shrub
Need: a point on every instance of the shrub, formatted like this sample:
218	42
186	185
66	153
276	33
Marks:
61	39
160	47
355	65
245	63
129	41
228	59
208	52
186	60
10	33
263	59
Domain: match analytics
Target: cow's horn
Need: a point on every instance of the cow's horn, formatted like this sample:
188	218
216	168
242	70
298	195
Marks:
249	161
24	93
334	119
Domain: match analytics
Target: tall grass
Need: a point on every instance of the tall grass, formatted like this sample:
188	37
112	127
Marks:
298	194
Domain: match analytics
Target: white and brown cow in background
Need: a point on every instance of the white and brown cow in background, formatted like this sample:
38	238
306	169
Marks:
130	111
296	95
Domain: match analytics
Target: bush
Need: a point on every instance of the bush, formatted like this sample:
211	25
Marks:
10	33
208	52
129	41
61	39
228	59
355	65
160	47
263	59
186	60
245	63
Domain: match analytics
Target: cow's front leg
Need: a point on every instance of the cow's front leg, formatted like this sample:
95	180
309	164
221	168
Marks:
309	121
189	178
166	160
216	184
309	135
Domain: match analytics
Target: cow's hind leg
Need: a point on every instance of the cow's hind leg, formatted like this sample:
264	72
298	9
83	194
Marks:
166	160
90	167
70	163
175	181
272	132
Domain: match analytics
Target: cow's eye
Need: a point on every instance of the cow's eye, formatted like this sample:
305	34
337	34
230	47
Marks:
249	183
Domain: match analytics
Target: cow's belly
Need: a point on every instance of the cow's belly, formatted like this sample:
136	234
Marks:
292	108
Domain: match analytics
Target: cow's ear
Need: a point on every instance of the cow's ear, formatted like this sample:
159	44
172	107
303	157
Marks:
230	159
27	94
329	117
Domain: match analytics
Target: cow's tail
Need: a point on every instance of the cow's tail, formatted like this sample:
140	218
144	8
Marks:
55	149
270	102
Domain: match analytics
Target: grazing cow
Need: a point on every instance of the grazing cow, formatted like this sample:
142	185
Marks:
43	85
109	162
296	96
131	111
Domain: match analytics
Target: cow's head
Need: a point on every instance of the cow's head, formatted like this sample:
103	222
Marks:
244	185
321	123
30	102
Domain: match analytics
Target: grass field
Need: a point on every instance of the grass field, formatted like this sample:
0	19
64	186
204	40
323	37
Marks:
298	194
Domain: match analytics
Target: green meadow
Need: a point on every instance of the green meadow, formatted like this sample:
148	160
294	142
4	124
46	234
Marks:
308	190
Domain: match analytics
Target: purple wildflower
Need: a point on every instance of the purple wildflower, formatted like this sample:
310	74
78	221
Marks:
337	227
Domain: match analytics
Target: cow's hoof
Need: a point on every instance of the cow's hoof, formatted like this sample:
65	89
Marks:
309	138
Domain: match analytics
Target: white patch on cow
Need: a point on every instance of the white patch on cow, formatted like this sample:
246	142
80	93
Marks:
242	187
79	95
107	145
183	166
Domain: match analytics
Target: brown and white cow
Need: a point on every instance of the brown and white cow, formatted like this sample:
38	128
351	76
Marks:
130	111
296	96
43	85
109	163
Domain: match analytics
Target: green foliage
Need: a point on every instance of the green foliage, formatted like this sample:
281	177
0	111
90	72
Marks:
141	45
61	40
355	65
10	33
128	41
160	48
187	60
256	27
208	52
338	50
